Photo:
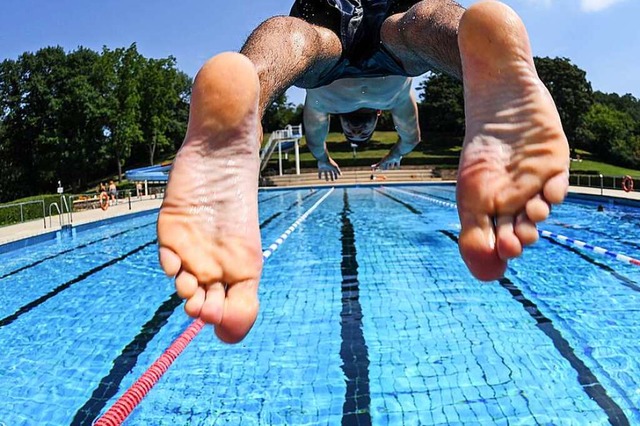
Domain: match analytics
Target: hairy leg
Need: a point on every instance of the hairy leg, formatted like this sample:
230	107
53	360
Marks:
208	225
288	51
515	155
425	37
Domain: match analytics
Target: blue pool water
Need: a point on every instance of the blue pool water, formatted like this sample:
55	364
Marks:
368	316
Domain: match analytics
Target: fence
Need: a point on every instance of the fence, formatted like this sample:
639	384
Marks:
64	206
22	212
600	181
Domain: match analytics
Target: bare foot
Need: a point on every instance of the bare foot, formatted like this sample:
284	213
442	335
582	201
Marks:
515	156
208	224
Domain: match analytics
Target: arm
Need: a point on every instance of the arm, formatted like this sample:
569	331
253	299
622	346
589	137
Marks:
405	118
316	127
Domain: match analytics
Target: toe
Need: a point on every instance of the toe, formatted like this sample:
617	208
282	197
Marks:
186	285
478	249
508	244
526	230
194	304
213	306
169	261
537	209
556	188
240	311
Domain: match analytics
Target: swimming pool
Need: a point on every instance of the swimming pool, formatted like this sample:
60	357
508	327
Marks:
368	316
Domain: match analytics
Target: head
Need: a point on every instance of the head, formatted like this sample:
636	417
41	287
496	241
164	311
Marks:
358	126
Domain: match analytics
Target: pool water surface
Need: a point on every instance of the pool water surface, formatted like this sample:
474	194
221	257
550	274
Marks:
368	316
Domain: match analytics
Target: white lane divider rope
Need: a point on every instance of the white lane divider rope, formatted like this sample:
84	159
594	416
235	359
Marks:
581	244
273	247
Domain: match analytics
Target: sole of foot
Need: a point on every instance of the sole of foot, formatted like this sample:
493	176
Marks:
515	156
208	230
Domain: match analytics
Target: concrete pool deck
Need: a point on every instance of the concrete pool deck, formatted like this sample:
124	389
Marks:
36	227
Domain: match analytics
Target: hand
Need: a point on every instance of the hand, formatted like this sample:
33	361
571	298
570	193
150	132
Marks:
329	169
389	161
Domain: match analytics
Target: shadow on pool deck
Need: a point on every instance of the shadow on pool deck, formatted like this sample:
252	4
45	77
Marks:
32	228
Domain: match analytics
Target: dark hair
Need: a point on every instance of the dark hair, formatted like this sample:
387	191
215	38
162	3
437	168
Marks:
359	118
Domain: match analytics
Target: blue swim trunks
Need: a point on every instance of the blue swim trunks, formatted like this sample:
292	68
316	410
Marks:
357	23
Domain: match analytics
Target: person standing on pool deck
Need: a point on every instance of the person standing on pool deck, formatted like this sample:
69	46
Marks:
358	102
513	164
113	192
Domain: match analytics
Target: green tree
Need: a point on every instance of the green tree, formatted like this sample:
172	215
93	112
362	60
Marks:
625	103
177	127
159	96
441	105
73	117
14	158
80	122
121	113
279	114
571	92
31	88
610	134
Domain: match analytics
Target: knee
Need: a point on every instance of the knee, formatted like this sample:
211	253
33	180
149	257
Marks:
427	17
290	40
286	31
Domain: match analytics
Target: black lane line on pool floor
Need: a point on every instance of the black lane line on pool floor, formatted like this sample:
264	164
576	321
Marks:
269	220
403	203
124	363
281	195
271	198
626	281
590	384
39	261
40	300
353	350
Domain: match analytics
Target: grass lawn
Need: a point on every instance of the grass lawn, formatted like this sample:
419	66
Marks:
589	165
445	155
437	150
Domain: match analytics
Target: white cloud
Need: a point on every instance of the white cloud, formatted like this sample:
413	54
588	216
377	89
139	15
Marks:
597	5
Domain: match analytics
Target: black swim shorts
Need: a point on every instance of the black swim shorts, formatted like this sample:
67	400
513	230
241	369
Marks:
357	23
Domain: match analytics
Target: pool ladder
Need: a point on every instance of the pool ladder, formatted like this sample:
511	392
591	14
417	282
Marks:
64	204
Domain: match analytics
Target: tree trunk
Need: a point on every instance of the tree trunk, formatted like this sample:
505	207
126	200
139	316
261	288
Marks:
119	168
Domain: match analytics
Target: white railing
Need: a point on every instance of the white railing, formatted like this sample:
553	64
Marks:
21	206
59	215
600	181
65	204
290	133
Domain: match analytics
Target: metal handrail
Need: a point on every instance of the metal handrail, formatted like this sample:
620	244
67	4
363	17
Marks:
21	205
597	181
59	214
63	204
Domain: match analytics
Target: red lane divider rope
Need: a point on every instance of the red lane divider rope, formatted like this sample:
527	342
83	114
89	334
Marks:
132	397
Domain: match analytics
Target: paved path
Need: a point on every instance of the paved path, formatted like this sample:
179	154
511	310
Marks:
36	227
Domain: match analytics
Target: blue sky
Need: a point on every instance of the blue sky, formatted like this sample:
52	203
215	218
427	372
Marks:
600	36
